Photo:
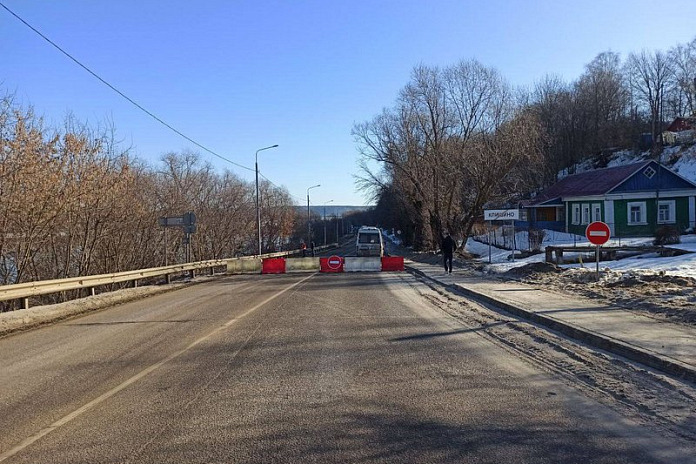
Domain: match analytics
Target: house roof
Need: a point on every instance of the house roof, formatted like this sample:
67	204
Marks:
597	182
682	124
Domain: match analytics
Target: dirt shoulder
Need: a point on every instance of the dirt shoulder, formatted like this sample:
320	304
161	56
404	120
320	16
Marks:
667	297
659	295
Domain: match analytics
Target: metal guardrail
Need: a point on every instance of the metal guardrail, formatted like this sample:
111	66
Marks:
607	252
26	290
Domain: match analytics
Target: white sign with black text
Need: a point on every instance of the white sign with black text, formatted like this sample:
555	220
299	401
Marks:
501	214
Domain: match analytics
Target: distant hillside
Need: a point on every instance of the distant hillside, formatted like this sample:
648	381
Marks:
331	210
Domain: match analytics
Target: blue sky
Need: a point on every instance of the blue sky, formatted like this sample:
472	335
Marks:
240	75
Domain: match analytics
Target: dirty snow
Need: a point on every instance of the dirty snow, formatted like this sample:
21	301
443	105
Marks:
662	287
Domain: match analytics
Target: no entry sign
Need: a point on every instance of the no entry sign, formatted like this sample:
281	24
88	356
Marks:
598	233
331	264
334	262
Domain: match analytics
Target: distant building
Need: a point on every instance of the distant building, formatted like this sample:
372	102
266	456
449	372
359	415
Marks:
634	200
682	124
682	130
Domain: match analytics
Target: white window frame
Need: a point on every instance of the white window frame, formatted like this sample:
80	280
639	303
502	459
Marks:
596	212
585	214
643	213
576	214
672	211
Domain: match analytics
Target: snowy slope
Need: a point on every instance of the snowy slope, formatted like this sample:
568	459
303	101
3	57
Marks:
680	158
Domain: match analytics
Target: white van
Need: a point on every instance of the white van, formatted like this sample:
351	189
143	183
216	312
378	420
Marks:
369	242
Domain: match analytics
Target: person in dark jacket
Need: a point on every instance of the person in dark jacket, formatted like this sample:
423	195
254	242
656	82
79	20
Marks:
313	245
448	246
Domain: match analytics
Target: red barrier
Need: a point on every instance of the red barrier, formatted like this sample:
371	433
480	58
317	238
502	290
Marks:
331	264
392	263
273	266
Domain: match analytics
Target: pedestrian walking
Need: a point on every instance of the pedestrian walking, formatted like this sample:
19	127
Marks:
448	246
303	247
312	248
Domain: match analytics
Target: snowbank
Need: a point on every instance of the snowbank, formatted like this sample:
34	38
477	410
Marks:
684	265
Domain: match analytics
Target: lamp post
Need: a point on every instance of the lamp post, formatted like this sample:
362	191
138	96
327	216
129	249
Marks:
325	203
336	218
258	211
309	226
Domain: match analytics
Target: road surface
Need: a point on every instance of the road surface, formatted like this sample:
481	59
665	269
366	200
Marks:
295	368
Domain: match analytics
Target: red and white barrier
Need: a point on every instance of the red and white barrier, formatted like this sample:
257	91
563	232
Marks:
273	266
333	264
392	263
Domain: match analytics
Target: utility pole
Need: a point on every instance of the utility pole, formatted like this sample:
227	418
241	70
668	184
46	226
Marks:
324	221
309	221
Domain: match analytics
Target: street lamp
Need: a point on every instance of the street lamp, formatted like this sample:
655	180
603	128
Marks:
325	203
309	227
258	211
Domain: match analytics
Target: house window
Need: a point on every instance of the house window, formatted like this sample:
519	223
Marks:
636	213
596	212
649	172
666	212
576	214
585	214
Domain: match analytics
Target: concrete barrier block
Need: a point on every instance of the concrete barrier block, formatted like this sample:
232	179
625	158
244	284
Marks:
366	264
244	266
301	264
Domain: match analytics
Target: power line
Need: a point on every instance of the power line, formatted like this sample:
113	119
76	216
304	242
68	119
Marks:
136	104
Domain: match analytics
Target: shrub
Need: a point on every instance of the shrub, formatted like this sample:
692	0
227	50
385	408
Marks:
667	235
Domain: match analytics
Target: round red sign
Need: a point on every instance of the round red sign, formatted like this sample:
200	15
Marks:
598	233
334	262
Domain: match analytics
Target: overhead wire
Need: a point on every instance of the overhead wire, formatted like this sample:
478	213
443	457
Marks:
133	102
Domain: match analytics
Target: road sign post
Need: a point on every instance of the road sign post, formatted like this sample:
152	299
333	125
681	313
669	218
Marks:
511	215
598	233
186	222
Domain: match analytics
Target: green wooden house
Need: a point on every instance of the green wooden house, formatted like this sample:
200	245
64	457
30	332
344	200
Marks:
634	200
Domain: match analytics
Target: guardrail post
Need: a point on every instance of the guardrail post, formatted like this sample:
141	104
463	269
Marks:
25	303
192	273
92	291
212	270
135	283
168	278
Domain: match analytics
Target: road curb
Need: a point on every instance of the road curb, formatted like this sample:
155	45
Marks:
604	342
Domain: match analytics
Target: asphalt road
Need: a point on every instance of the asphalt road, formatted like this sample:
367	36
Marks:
296	369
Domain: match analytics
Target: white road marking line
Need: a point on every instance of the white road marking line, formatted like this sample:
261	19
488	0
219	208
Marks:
81	410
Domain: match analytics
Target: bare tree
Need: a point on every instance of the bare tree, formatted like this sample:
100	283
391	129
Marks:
651	75
683	58
434	147
602	99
